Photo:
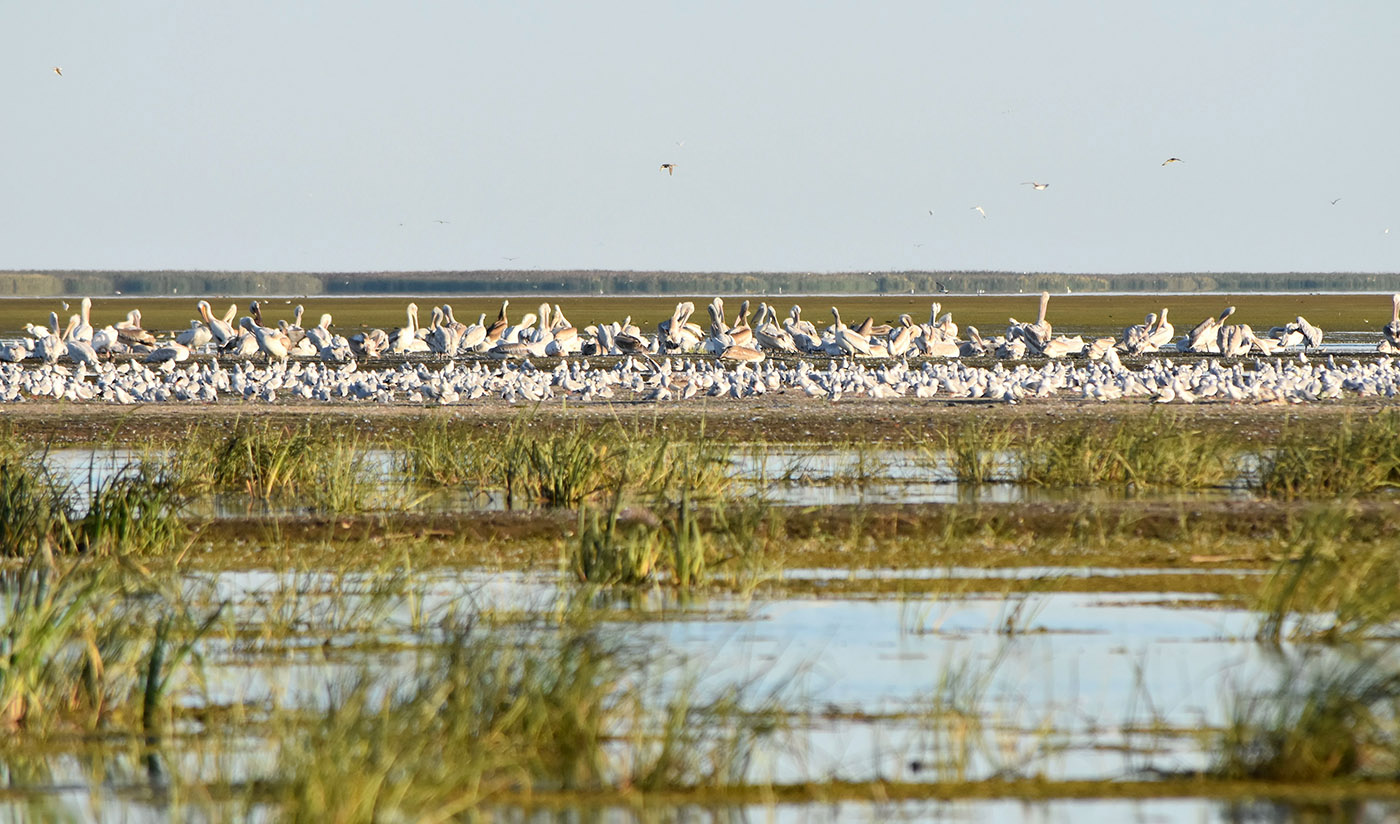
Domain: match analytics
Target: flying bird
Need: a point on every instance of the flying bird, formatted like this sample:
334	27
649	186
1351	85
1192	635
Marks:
1038	186
980	210
668	168
1334	201
58	70
1172	160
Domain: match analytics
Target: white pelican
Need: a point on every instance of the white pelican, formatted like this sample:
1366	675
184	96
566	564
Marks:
170	351
269	342
847	341
84	330
1163	333
196	336
79	351
1204	337
1312	335
220	331
1392	330
1137	338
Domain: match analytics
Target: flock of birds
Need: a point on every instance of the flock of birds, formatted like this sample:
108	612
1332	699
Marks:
253	359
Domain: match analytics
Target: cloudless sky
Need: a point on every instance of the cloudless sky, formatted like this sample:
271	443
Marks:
359	135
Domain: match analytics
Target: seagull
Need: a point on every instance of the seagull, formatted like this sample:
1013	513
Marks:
1334	201
1172	160
942	288
1038	186
58	70
441	221
504	257
980	210
668	168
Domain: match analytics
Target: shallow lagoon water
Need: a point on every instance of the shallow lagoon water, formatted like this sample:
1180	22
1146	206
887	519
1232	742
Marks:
782	476
869	677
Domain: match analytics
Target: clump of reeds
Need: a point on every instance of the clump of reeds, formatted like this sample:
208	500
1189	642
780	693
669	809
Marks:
975	454
80	647
274	462
1320	722
1355	456
562	466
1158	450
610	554
33	510
1332	584
677	543
486	715
135	512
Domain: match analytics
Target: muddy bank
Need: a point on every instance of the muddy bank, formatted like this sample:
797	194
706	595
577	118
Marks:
778	418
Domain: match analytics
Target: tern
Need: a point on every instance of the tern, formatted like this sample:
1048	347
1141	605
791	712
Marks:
1038	186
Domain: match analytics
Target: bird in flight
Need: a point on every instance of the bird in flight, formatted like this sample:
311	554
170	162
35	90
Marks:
441	221
1334	201
1039	187
980	210
1172	160
505	257
58	70
668	168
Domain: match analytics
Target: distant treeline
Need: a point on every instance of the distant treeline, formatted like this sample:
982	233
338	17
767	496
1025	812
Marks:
593	282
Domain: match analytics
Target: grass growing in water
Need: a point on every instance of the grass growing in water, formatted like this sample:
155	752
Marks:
677	540
80	646
1321	722
567	714
1156	451
1352	458
1333	585
271	462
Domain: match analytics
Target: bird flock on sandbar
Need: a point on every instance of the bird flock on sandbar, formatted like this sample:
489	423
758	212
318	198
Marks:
743	355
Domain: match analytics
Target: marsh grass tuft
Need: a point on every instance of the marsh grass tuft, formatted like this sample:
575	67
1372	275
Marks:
973	454
1158	450
83	645
1332	584
1354	457
566	714
33	509
314	468
1320	722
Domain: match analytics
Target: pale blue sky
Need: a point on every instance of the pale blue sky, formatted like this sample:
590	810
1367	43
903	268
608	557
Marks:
333	134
